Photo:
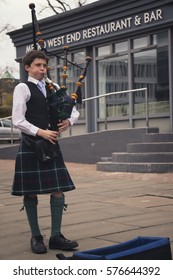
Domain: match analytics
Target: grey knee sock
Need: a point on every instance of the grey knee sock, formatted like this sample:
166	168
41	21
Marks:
57	206
30	204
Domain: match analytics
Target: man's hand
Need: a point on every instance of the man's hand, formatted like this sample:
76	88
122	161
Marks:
63	125
48	135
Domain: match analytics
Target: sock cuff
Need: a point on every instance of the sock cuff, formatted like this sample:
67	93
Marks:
30	201
57	201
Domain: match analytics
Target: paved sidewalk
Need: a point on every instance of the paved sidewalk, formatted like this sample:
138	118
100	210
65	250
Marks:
105	209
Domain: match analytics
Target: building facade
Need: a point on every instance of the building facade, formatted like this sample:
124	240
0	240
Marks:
130	42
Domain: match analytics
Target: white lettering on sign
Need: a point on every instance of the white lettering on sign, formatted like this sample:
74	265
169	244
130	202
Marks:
152	16
55	42
74	37
29	48
107	28
103	29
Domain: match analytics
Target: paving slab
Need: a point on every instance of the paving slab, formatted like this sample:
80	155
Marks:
105	209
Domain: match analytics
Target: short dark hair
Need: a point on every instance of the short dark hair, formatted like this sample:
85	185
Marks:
30	56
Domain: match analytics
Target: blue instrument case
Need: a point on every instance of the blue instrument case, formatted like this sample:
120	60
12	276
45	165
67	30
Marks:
139	248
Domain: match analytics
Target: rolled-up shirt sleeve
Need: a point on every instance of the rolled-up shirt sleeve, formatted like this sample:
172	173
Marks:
21	95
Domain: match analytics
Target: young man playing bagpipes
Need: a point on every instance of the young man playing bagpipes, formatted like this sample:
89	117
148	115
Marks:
32	176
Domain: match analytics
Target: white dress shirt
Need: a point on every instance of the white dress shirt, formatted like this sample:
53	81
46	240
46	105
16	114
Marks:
21	96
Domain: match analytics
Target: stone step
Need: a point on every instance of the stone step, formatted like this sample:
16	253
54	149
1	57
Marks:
142	157
150	147
157	137
154	154
150	167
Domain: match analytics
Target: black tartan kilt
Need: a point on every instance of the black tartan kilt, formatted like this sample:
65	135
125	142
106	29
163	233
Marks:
34	177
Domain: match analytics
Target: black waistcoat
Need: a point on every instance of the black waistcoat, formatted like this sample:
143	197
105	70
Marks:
37	107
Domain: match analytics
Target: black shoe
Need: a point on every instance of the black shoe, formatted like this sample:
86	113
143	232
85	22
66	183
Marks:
60	242
37	245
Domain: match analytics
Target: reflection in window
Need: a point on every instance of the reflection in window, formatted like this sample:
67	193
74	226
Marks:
105	50
140	42
112	77
151	71
160	39
121	47
52	66
79	57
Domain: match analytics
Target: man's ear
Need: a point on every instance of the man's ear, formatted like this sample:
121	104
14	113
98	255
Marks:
27	68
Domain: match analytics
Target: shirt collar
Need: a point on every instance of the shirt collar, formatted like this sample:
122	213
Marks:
33	80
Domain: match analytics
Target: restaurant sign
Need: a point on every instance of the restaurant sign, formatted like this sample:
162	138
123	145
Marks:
108	28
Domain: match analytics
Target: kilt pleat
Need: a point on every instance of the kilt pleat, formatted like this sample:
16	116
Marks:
34	177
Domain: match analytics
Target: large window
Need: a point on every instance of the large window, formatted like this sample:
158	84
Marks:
151	71
113	77
148	58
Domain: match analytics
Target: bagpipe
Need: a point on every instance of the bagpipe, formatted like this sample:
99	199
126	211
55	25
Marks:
60	103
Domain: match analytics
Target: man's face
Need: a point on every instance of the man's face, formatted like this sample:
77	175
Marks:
37	69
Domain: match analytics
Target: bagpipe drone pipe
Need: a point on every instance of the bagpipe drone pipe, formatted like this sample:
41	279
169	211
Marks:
60	103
